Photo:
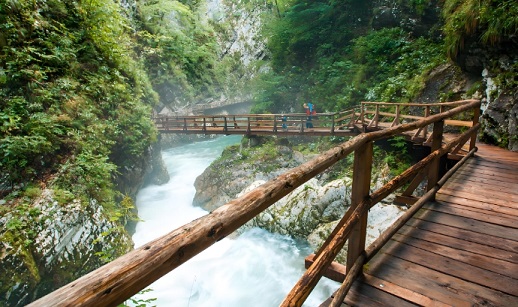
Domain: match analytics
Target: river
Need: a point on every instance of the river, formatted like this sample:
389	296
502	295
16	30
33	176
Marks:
256	269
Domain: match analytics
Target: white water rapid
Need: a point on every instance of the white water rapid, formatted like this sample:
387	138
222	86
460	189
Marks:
256	269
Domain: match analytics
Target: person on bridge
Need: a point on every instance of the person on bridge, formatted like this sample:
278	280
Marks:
310	111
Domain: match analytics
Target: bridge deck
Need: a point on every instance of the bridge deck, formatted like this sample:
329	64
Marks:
460	250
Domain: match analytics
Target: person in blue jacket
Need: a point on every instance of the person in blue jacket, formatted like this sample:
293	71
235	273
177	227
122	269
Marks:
310	111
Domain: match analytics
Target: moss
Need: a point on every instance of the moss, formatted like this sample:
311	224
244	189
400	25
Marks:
18	264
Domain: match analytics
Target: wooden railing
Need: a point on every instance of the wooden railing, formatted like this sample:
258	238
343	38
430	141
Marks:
115	282
382	115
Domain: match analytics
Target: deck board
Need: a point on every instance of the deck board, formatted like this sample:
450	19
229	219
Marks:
461	249
462	245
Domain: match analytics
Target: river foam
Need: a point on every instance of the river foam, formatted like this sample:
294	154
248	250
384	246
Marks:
256	269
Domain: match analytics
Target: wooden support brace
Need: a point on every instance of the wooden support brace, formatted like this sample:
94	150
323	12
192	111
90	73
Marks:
456	150
415	182
406	200
335	271
416	134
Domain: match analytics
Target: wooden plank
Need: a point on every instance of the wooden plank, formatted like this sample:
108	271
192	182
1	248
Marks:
507	213
466	235
455	268
484	168
466	223
494	163
362	293
460	244
495	219
504	185
451	199
485	175
492	186
491	152
489	172
419	279
399	291
496	199
491	191
488	263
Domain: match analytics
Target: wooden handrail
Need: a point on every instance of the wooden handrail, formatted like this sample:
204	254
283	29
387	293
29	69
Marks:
118	280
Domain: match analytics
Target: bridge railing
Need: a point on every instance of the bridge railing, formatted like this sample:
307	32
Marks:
382	115
120	279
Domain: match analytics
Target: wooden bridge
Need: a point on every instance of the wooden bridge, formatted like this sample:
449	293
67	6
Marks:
455	245
321	124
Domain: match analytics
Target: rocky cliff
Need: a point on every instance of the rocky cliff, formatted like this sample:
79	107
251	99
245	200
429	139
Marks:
311	211
50	243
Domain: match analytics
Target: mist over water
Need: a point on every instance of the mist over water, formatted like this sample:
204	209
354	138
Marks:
256	269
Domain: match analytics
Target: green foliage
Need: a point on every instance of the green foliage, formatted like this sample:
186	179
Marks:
395	65
18	224
89	174
396	156
383	65
487	20
76	103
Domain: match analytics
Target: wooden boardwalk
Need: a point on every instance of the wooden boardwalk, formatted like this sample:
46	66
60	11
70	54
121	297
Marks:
460	250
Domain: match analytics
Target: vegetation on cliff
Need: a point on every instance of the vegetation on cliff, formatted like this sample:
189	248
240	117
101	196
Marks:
78	81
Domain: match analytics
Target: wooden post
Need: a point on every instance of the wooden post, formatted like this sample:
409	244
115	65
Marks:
362	115
377	116
425	128
225	121
184	124
204	124
433	171
395	122
360	190
476	115
333	123
275	123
